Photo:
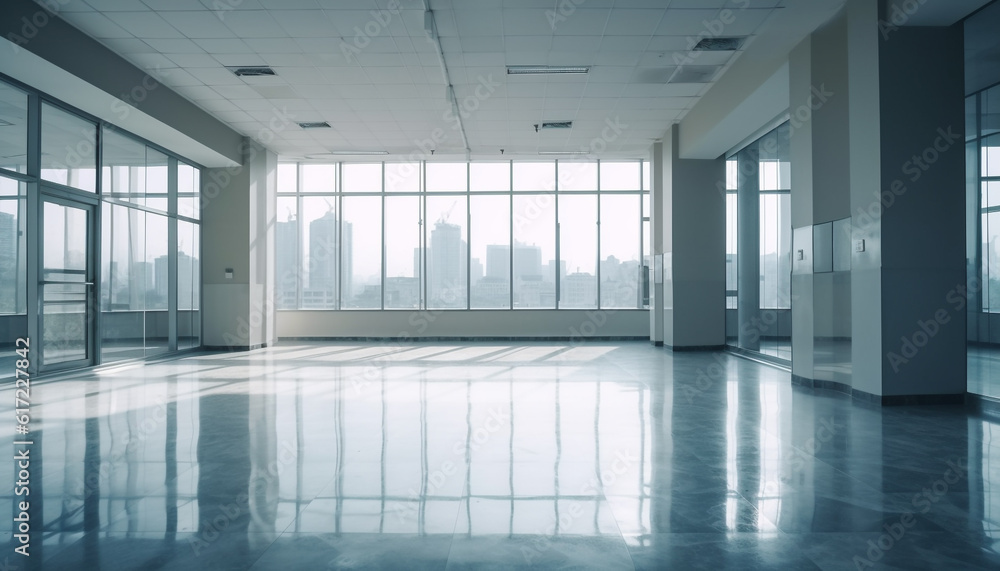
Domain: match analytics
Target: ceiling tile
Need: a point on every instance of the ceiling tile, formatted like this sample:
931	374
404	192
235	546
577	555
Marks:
223	46
215	76
193	60
96	25
633	22
685	22
146	25
198	24
526	22
304	23
168	5
176	46
113	5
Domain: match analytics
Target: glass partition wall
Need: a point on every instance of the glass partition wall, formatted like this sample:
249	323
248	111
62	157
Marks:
983	240
461	235
758	247
99	238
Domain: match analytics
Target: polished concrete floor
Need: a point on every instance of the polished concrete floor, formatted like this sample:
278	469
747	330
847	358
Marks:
491	456
984	370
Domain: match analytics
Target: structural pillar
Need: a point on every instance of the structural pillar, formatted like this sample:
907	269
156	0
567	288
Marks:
693	212
237	228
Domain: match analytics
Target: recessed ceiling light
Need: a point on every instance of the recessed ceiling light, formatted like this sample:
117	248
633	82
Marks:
351	153
563	152
315	125
250	71
545	69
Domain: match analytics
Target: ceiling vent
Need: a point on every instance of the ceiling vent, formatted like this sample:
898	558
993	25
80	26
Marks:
251	71
695	74
557	125
653	75
315	125
719	44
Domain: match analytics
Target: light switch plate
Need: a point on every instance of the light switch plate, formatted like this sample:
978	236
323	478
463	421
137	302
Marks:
800	255
859	245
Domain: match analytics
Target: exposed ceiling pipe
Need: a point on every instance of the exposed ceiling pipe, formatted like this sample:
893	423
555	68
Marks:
430	26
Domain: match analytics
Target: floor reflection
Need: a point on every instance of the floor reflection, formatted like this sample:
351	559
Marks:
529	455
984	370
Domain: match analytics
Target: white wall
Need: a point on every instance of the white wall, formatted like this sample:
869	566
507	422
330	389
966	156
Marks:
573	324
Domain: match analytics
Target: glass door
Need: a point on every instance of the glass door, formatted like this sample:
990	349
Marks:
66	284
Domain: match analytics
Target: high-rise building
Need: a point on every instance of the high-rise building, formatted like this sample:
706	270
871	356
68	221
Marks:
527	261
287	272
475	270
324	248
447	266
498	261
9	274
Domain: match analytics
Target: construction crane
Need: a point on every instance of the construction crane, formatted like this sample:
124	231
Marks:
447	214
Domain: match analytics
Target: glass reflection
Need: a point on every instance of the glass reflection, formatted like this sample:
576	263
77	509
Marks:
983	241
69	149
758	219
216	460
14	132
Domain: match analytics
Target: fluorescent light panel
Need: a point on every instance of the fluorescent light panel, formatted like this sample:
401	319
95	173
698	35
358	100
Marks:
353	153
545	69
563	152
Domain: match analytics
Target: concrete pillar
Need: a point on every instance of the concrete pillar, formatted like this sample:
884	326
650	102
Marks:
922	110
821	176
657	223
884	147
237	230
748	254
801	148
693	211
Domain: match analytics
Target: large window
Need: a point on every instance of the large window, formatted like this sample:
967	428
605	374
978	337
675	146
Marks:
69	149
460	235
14	131
775	220
731	241
13	247
759	225
143	270
144	235
983	157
